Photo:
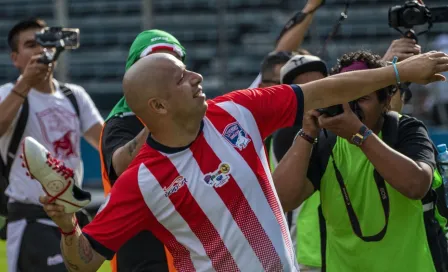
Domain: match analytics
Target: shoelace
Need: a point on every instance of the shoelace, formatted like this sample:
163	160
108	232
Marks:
59	167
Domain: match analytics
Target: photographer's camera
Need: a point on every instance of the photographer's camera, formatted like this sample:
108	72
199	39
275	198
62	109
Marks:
54	40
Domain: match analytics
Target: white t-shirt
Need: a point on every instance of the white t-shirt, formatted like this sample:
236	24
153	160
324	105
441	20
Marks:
53	122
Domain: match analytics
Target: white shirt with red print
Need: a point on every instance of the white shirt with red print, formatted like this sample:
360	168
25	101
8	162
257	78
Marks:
212	203
53	122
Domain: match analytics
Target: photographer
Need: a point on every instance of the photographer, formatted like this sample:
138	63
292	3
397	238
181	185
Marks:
362	230
305	217
56	115
303	222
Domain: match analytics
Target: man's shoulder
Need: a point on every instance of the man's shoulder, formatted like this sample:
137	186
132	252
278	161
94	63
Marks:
238	97
128	122
144	156
406	120
72	86
123	117
77	90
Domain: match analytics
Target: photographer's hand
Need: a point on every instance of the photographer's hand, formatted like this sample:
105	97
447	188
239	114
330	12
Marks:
292	35
344	125
402	48
36	72
312	5
310	124
290	175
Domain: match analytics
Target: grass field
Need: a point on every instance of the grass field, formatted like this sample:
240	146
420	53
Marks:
4	265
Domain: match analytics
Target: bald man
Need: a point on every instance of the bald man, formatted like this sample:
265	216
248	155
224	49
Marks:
121	139
201	182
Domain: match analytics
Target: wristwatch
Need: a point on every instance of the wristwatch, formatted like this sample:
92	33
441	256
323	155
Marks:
361	136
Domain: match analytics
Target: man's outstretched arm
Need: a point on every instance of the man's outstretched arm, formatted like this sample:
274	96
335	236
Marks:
78	254
76	250
345	87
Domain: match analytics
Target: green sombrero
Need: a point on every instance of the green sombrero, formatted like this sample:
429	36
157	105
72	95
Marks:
145	43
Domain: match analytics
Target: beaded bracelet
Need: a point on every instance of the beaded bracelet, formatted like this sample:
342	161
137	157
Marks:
18	94
72	231
397	75
306	137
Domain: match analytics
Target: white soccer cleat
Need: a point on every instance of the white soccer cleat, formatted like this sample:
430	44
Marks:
56	179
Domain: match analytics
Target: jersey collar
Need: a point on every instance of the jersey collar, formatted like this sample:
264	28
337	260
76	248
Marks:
166	149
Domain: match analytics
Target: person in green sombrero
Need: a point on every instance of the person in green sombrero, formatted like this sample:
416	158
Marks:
122	137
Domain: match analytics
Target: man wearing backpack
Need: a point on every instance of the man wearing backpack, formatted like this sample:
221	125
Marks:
56	115
374	171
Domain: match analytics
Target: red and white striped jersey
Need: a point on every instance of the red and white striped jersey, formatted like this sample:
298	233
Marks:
212	203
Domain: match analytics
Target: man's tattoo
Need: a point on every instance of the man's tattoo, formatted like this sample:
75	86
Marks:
132	145
68	239
69	265
85	250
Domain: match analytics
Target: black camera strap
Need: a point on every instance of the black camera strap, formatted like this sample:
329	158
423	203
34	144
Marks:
297	19
384	196
344	15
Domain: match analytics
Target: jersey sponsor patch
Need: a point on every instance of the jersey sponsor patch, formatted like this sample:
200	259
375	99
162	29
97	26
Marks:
219	177
236	135
177	183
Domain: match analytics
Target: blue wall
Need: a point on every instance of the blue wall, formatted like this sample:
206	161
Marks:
92	166
439	136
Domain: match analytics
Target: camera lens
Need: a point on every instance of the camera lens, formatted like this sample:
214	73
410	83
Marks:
413	16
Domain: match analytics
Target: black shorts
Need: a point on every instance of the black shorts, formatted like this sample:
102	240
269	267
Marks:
40	249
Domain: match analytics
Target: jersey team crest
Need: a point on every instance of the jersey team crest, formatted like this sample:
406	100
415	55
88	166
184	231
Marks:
219	177
236	136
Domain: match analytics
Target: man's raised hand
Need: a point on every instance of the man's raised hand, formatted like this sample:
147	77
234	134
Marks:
312	5
424	68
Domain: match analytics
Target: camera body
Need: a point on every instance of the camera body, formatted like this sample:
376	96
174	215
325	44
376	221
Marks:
55	40
332	110
338	109
413	13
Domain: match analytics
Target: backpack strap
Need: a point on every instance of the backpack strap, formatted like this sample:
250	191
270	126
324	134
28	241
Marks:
390	136
324	146
16	138
390	128
71	96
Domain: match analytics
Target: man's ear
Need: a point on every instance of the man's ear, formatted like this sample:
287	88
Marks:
14	55
393	102
158	106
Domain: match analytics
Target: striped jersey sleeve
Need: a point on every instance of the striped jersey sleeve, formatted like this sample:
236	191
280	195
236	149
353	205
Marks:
122	216
273	107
